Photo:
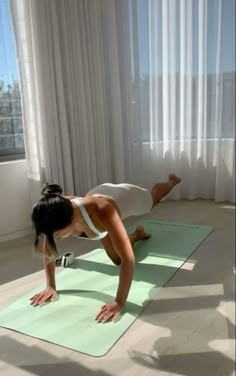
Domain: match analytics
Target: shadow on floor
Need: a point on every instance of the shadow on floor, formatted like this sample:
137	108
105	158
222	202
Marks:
40	362
209	363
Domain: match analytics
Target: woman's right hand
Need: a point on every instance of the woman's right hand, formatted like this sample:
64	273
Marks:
48	294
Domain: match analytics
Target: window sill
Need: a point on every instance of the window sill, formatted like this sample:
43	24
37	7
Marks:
2	162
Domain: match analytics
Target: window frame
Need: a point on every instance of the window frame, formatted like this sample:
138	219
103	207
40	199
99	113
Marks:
9	155
12	153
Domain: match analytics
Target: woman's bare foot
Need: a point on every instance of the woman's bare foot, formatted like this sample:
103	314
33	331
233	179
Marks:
140	233
174	178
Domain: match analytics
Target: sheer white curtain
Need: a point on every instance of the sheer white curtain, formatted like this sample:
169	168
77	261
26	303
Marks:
128	90
184	95
70	81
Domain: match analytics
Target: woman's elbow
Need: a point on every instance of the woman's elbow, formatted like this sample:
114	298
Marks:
129	260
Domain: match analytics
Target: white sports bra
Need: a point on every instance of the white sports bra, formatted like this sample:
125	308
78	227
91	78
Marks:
100	235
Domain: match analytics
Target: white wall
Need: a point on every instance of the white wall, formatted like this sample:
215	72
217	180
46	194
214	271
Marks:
15	205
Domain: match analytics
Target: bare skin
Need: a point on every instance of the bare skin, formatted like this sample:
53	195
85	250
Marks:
158	191
138	234
118	244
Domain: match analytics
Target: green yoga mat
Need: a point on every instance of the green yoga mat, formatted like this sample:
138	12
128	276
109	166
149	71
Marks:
93	280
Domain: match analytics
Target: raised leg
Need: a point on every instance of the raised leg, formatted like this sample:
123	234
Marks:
160	190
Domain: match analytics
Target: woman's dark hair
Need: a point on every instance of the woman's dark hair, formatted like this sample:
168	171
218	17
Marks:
53	212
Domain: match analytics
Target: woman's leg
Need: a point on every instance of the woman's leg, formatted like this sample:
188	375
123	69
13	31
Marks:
160	190
111	253
138	234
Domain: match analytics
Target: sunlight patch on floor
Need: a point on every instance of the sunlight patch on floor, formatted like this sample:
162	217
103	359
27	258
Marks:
227	309
7	369
228	207
188	265
224	346
191	291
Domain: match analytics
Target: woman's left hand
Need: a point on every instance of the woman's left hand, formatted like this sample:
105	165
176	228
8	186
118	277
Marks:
109	311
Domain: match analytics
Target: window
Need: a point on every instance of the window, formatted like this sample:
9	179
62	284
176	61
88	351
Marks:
11	129
148	63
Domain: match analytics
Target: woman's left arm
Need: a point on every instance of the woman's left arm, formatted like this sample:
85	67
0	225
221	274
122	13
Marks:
122	246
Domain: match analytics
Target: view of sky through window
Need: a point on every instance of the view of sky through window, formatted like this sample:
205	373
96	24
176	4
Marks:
11	127
8	66
228	33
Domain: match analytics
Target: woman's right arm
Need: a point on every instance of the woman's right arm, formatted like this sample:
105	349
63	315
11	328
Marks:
49	268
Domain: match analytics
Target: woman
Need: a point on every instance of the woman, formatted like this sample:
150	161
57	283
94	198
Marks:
98	215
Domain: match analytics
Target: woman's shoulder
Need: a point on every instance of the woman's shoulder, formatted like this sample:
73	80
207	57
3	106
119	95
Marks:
70	197
94	203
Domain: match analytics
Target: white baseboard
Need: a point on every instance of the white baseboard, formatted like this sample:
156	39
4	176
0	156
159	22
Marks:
15	235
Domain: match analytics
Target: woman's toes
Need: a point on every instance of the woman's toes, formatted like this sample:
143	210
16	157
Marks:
141	233
175	178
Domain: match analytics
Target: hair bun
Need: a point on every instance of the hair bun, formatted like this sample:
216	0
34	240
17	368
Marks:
51	190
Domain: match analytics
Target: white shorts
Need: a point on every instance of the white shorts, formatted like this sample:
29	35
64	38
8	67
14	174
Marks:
130	199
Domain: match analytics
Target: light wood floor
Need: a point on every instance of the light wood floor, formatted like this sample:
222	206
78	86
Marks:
189	328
